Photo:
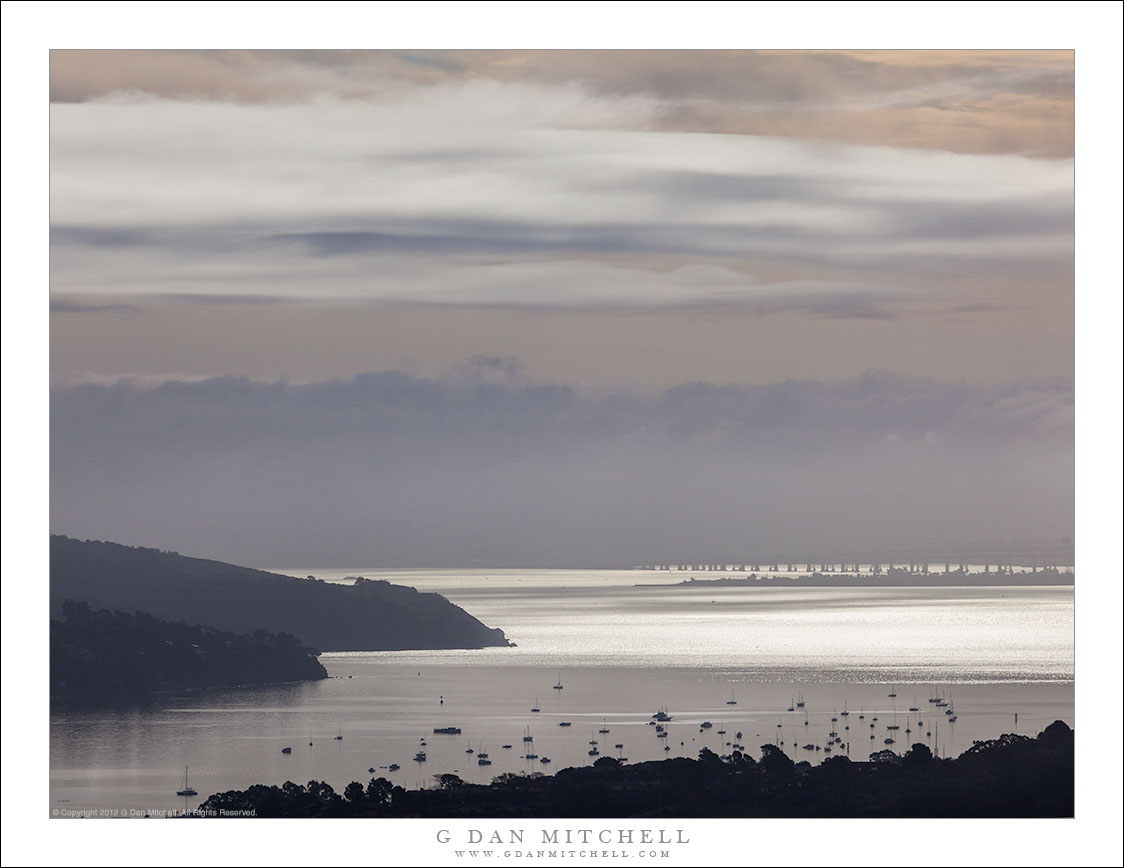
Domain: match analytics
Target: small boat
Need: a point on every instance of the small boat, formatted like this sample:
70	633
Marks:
545	759
393	767
187	789
593	751
419	757
565	723
286	750
506	747
661	735
446	730
887	741
483	761
662	716
706	724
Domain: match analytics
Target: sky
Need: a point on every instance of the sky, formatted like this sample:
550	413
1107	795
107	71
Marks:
560	308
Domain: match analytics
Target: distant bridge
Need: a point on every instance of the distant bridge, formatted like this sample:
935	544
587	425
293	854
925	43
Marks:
1001	557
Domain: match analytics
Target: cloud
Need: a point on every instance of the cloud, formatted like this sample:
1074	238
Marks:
884	97
66	305
391	469
546	183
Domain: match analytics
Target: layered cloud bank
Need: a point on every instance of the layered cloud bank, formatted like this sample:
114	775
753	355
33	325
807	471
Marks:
529	194
475	200
479	467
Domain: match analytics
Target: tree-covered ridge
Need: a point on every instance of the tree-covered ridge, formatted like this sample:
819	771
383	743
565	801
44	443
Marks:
1012	776
364	616
98	656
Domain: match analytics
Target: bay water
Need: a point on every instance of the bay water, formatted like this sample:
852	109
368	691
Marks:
601	652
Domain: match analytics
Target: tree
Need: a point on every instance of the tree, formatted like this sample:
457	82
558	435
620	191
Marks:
919	755
449	781
776	762
354	792
378	791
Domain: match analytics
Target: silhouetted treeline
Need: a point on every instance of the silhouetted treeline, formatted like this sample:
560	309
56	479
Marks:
1012	776
365	616
893	578
102	656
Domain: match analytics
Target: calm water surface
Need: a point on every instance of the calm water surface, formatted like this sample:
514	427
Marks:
621	652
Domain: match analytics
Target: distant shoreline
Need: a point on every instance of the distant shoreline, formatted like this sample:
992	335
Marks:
891	579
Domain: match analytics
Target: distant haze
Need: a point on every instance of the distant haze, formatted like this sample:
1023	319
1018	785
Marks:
560	308
393	470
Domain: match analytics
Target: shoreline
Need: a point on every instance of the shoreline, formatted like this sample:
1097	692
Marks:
1009	776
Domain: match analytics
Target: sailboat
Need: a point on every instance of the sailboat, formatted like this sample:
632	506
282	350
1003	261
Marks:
536	708
558	686
187	789
800	701
731	700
